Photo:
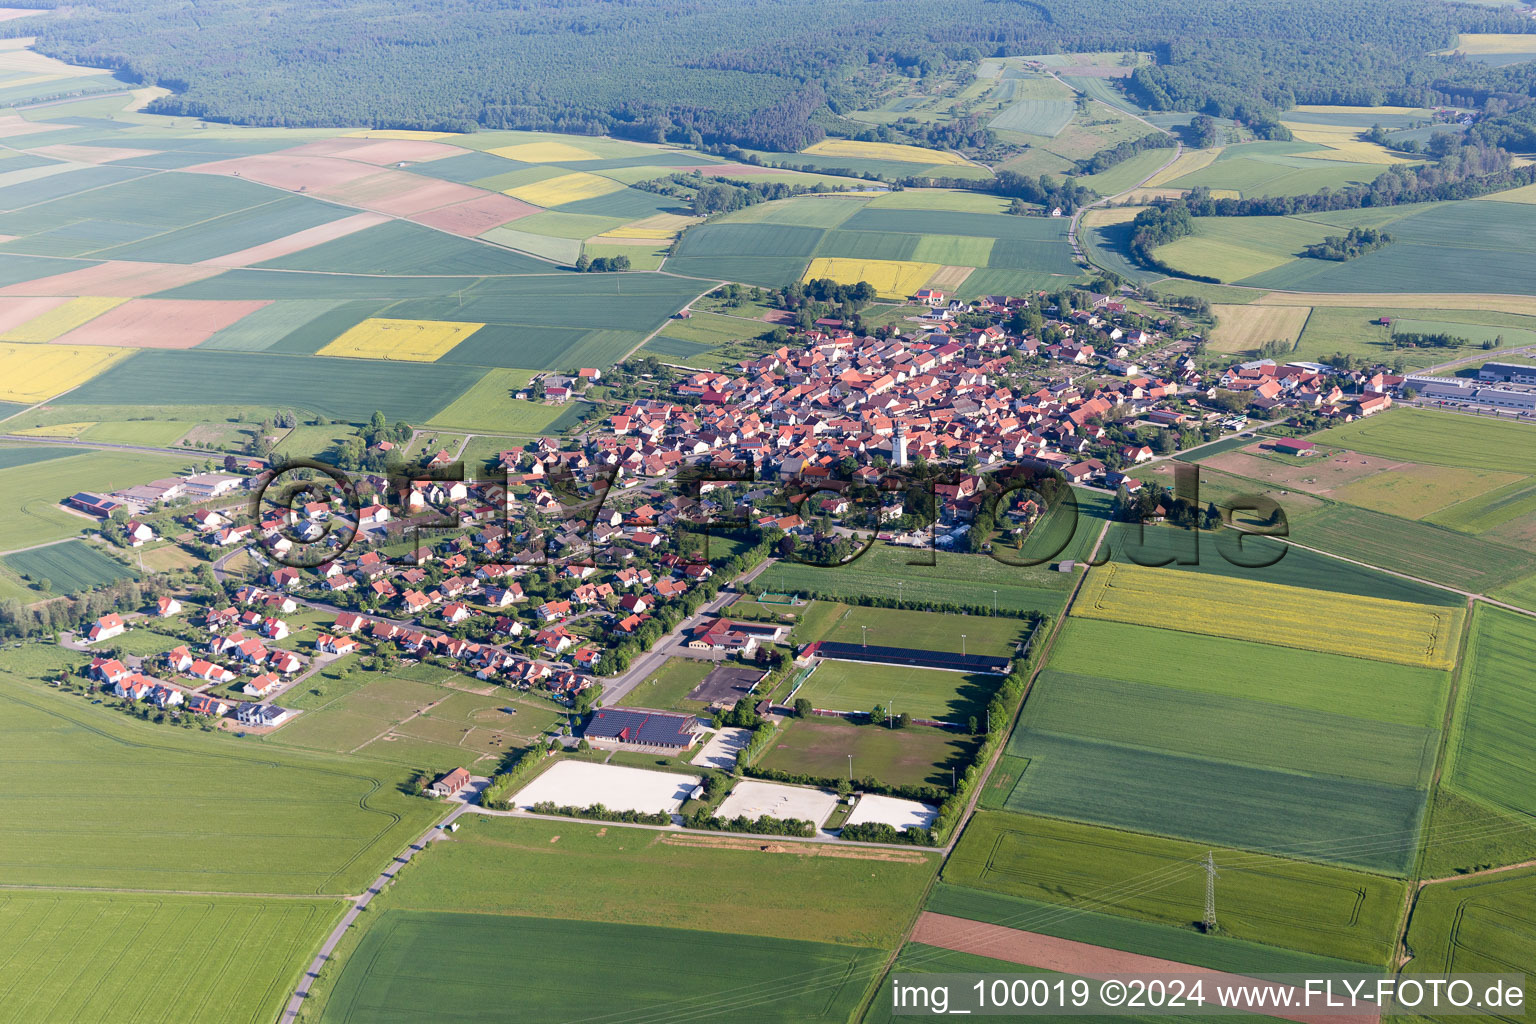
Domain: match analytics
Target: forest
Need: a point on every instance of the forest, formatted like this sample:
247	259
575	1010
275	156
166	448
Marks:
770	75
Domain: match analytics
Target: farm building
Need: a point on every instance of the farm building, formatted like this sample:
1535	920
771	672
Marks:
643	728
1293	446
451	783
92	504
1512	373
912	658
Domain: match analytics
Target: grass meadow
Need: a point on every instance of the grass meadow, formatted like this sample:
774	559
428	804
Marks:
639	877
80	956
931	631
669	686
33	492
1313	908
156	807
920	692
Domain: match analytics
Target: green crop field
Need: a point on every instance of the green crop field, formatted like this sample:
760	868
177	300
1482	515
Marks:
634	877
1288	813
397	247
662	971
70	566
1234	248
1308	680
160	808
1035	117
1237	730
1275	169
1476	924
80	956
1309	907
669	685
1218	554
1420	549
348	389
33	492
915	756
1103	927
11	458
890	627
754	253
921	692
1484	247
1493	743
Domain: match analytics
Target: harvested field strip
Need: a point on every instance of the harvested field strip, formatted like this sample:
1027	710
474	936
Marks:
161	323
1393	631
421	341
61	319
299	240
1245	328
1067	957
1107	928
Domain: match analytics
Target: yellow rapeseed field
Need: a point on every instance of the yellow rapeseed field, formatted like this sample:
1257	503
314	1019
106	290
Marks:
31	373
417	341
57	429
1312	620
882	151
891	279
61	319
549	152
398	134
567	188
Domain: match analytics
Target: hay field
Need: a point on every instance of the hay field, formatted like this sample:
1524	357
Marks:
1245	328
1188	162
31	373
883	151
62	319
417	341
1489	301
1363	627
567	188
891	279
1342	143
1493	43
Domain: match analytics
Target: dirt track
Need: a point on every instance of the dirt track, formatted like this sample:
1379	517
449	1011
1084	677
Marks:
1077	958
